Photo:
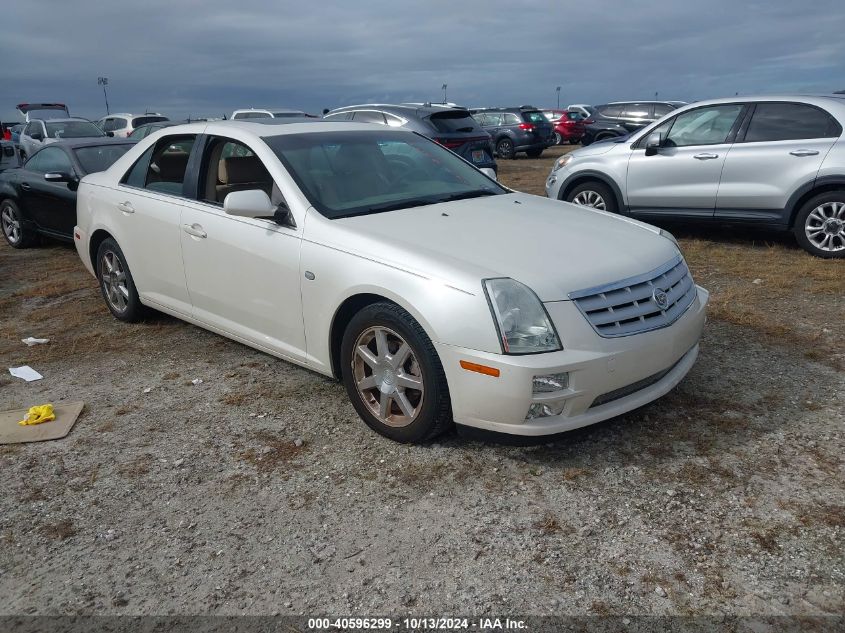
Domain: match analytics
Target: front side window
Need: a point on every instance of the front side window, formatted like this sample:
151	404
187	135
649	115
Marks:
337	116
356	173
232	166
162	168
662	109
789	121
72	129
54	160
610	110
703	126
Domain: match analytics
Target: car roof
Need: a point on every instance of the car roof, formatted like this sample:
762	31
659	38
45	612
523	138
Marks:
90	142
64	119
278	127
419	110
818	100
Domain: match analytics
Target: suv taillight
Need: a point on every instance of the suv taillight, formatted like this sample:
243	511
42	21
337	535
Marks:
449	144
526	126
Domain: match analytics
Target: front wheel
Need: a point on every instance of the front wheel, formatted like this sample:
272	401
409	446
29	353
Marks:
558	138
593	194
116	283
820	225
393	375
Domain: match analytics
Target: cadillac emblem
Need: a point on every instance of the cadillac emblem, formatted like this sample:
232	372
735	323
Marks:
660	298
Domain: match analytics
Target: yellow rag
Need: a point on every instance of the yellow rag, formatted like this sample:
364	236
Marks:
39	414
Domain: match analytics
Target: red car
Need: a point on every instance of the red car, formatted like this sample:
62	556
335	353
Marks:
568	126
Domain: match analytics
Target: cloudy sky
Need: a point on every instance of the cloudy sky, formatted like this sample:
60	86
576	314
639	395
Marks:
207	57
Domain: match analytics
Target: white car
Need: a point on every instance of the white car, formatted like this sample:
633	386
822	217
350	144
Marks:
122	124
375	255
260	113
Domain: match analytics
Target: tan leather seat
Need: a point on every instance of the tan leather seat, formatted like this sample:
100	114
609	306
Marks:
241	173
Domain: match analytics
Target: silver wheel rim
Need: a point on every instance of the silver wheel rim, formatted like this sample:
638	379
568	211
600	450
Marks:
825	227
388	376
113	279
505	147
590	199
558	139
11	225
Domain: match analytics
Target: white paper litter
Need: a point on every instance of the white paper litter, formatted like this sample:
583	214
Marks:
26	372
196	381
30	341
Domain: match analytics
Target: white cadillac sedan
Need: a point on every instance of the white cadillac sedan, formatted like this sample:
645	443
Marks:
376	256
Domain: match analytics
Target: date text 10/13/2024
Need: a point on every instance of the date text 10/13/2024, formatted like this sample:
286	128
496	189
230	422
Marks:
416	624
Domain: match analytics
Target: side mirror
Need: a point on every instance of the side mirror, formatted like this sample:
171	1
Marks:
653	143
38	136
59	176
253	203
489	172
110	134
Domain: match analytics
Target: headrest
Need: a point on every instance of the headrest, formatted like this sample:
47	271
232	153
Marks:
241	169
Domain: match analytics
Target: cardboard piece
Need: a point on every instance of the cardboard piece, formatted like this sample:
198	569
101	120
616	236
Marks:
13	433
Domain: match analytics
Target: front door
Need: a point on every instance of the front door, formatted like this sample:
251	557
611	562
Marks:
242	273
682	178
51	204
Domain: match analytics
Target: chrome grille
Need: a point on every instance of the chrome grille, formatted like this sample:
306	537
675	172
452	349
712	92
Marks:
629	306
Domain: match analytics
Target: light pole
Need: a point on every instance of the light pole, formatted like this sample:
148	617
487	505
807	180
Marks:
558	97
104	81
443	88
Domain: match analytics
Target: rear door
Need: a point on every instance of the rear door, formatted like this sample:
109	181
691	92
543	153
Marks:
780	148
542	129
682	178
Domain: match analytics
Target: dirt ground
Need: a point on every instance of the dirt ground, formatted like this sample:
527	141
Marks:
259	491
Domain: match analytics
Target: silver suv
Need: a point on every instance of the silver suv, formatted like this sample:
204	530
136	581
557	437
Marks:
773	162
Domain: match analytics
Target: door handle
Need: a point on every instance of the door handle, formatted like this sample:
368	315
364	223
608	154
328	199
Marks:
804	152
194	229
25	186
126	207
706	156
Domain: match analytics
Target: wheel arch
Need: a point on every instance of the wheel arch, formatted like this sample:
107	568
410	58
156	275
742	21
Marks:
97	238
587	176
798	199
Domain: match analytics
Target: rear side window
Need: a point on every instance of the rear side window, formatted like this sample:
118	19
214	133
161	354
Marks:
511	119
453	121
142	120
637	111
99	157
368	116
609	110
534	116
163	167
790	121
662	109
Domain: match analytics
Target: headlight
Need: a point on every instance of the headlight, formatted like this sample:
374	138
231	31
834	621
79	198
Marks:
670	237
523	324
563	161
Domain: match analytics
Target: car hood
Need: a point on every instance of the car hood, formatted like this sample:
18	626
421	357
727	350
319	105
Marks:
553	247
593	149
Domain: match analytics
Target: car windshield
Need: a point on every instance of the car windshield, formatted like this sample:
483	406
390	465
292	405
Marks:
358	172
143	120
453	121
100	157
287	115
73	129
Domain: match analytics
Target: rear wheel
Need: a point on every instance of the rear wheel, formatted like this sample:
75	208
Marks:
820	225
14	229
393	375
116	283
558	139
505	148
593	194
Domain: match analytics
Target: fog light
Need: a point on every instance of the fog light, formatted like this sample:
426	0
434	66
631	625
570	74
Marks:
545	409
551	382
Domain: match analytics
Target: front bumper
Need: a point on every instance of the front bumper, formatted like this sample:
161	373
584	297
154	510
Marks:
607	377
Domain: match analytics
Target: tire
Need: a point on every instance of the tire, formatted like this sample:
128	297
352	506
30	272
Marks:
505	148
366	380
17	234
534	153
116	281
558	139
820	225
585	194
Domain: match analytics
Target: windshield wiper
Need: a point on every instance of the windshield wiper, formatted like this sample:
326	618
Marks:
404	204
465	195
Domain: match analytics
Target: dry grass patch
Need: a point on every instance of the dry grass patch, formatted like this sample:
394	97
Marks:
62	530
274	453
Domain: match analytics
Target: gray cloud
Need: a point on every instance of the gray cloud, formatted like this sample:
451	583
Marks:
209	57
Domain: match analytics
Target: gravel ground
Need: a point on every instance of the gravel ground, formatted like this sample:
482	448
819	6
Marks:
259	491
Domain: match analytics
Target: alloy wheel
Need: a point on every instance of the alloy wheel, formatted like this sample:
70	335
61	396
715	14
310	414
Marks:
113	279
11	225
388	376
590	199
825	227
